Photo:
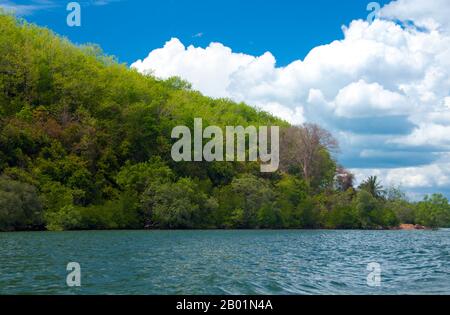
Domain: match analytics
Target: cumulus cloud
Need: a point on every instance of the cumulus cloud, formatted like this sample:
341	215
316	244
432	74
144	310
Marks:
429	14
416	180
384	89
360	99
209	70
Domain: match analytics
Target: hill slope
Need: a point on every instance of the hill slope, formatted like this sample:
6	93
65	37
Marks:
85	144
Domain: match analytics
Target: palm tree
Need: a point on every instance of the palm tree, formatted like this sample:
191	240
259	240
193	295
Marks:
373	186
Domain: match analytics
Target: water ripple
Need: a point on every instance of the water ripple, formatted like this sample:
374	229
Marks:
226	262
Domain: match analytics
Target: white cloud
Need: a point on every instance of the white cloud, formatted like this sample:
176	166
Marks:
384	88
295	115
360	99
418	181
432	14
429	135
209	70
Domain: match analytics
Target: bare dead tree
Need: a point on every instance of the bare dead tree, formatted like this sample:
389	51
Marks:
300	147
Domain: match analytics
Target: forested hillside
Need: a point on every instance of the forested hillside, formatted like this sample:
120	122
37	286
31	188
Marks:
85	143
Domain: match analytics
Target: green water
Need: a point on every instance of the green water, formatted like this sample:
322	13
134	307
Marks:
226	262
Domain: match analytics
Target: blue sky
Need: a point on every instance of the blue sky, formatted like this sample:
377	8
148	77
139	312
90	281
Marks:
128	29
382	88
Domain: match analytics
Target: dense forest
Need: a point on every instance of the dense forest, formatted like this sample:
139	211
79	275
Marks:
85	143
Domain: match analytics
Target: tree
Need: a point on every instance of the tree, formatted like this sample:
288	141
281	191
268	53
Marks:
290	192
342	211
305	149
373	186
20	207
397	201
309	213
270	216
178	83
252	195
242	201
344	179
66	218
369	209
177	205
433	211
137	177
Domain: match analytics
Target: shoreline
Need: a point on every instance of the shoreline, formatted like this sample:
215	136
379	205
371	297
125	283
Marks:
401	227
412	227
